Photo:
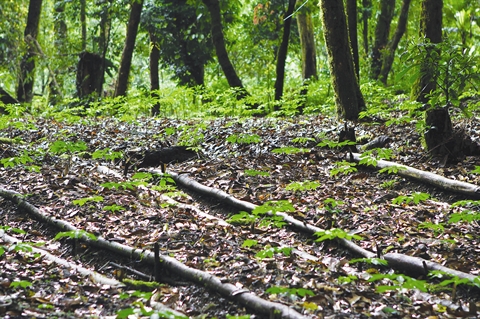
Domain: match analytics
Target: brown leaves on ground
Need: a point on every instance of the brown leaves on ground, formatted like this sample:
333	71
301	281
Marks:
256	160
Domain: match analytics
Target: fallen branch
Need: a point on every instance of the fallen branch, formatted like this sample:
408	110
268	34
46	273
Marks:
94	276
471	190
402	262
242	296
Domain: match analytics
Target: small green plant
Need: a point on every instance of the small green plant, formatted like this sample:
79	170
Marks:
83	201
249	243
394	169
244	139
62	147
13	229
21	283
347	279
416	198
335	144
238	317
453	279
114	208
399	281
139	179
388	184
17	160
335	233
302	186
107	154
138	307
259	214
344	168
301	292
302	140
165	184
253	172
371	261
75	234
436	228
269	252
288	150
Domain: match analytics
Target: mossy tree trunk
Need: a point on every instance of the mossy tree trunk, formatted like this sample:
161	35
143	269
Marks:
27	65
382	32
127	54
60	28
348	97
366	14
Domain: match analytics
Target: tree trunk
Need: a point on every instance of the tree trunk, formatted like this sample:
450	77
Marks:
103	39
389	53
348	98
27	65
282	51
382	32
60	28
431	29
309	54
83	22
89	75
366	13
234	81
154	78
351	7
126	62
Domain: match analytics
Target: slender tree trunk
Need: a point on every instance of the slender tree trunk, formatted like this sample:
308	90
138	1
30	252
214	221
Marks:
83	22
234	81
382	32
27	65
431	29
348	98
154	78
60	28
126	62
103	40
389	54
283	50
351	7
309	55
366	13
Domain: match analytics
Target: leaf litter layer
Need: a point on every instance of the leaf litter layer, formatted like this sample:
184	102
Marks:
256	160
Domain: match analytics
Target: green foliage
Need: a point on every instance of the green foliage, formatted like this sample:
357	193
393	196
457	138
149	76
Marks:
244	139
269	252
288	150
388	184
237	317
113	208
464	216
253	172
416	198
372	261
61	147
17	160
454	280
335	233
75	234
259	214
334	144
399	281
393	169
20	283
437	228
303	140
301	292
249	243
83	201
107	154
347	279
302	186
344	168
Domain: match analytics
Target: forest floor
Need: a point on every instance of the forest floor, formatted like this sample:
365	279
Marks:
259	161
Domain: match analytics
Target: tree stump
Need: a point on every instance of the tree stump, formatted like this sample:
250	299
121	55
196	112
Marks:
439	136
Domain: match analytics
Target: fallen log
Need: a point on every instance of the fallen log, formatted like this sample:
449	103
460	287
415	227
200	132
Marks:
242	296
470	190
413	265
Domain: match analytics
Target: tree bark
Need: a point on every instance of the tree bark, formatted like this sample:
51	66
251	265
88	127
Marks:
382	32
234	81
389	53
309	54
154	78
348	97
366	13
351	7
83	22
126	62
60	28
103	39
283	50
431	29
27	65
